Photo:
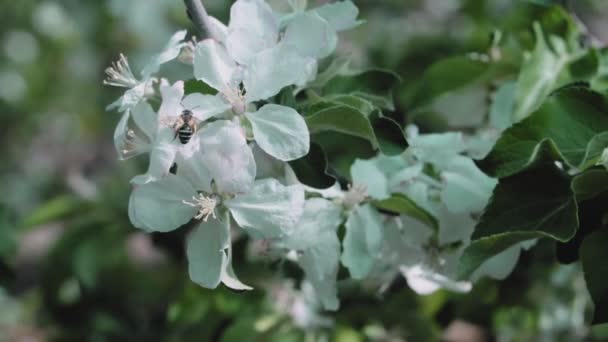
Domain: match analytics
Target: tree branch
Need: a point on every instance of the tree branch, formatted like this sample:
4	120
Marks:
199	17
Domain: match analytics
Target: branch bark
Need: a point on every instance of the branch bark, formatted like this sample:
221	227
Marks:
199	17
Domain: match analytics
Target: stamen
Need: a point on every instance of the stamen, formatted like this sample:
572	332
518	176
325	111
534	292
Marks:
206	206
235	96
120	74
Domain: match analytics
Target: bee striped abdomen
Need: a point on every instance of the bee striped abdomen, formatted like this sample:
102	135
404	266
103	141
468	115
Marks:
185	134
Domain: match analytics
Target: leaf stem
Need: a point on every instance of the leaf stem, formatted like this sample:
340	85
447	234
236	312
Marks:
199	17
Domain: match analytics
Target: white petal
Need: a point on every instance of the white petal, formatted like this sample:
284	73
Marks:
499	266
225	153
229	278
341	15
213	65
363	241
128	146
319	216
146	119
205	106
157	206
243	45
254	16
366	172
311	35
425	281
270	209
169	53
467	189
193	169
162	157
280	131
276	68
171	99
454	227
206	251
131	97
217	30
316	240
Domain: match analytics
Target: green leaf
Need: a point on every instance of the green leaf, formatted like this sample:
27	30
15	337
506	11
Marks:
448	75
374	85
58	208
565	124
382	132
586	67
360	104
390	136
342	150
312	169
403	205
591	192
195	86
593	254
539	73
538	202
342	119
589	184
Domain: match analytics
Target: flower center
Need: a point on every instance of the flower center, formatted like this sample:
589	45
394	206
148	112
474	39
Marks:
205	204
120	74
235	96
356	194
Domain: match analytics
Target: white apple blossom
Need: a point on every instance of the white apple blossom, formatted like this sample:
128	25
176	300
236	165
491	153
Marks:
120	74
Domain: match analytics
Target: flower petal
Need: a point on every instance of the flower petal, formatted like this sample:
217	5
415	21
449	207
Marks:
273	69
205	106
192	168
311	35
466	189
162	157
367	172
130	98
341	15
269	210
171	99
217	30
255	21
224	152
169	53
206	252
157	206
243	45
280	131
146	119
363	241
128	146
229	278
425	281
213	65
316	240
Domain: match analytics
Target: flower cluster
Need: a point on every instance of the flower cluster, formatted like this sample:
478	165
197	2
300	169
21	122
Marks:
210	177
409	214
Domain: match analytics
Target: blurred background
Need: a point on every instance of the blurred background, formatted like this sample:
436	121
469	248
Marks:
72	268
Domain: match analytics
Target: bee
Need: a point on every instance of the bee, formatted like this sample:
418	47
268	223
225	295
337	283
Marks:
185	126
